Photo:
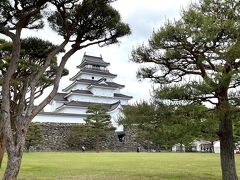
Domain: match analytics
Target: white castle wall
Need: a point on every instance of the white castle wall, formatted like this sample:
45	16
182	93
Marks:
101	91
115	114
72	109
73	115
91	98
60	118
78	86
95	76
55	105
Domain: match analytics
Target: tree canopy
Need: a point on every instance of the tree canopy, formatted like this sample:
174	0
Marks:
79	24
167	125
33	54
99	123
196	59
34	136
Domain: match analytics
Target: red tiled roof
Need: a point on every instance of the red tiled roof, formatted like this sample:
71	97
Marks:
93	60
109	107
122	95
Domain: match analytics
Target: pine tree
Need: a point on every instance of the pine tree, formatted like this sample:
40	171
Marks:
79	24
197	59
99	122
34	136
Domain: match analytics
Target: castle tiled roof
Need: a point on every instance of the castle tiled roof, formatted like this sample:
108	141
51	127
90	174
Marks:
82	91
122	95
91	82
84	104
61	114
93	60
60	97
96	71
93	71
98	83
114	106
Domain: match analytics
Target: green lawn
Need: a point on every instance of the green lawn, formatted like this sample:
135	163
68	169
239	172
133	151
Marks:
120	166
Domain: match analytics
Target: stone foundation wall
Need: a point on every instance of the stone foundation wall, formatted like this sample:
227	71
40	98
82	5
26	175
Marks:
56	135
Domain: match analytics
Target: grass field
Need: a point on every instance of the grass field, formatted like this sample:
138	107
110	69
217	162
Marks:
120	166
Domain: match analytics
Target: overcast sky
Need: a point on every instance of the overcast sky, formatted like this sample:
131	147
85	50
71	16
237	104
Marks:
143	16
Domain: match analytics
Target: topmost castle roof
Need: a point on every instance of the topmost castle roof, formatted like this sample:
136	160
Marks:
92	60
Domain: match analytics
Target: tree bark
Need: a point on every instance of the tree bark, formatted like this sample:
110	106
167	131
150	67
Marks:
227	150
1	150
225	134
14	152
13	165
5	106
15	141
1	154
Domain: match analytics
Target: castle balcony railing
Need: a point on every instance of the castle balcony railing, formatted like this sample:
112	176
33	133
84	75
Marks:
96	68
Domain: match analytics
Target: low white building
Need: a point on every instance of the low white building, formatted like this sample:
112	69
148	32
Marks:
93	84
199	146
217	146
177	147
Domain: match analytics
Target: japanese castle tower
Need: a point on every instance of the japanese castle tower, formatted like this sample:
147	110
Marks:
92	84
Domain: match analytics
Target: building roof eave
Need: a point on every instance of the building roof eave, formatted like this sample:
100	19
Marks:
115	106
118	95
84	105
82	92
92	73
60	114
87	59
69	86
104	87
60	97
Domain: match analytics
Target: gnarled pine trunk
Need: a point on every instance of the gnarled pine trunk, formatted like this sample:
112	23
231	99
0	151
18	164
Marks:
1	149
226	139
13	164
227	150
14	151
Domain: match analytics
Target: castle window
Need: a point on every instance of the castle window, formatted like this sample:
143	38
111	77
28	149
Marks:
96	67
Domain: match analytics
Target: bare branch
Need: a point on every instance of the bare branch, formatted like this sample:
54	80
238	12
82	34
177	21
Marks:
51	95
